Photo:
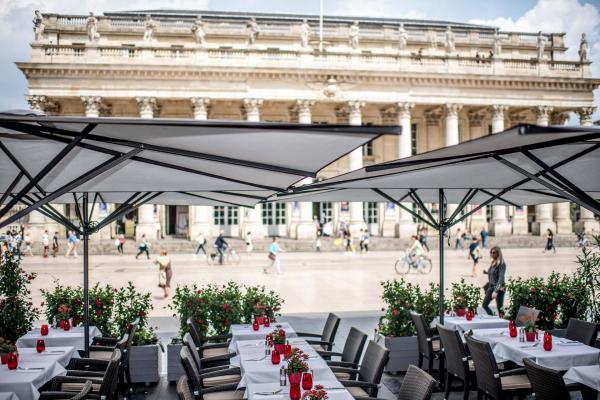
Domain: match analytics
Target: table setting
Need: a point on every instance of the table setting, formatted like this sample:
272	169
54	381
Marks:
57	337
256	331
477	321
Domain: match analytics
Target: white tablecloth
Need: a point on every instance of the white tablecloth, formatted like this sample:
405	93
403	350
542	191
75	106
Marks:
588	376
58	337
8	396
25	383
562	356
257	368
335	390
479	322
245	332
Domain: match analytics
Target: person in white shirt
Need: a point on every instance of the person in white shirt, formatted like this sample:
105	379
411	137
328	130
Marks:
274	251
27	241
201	243
249	245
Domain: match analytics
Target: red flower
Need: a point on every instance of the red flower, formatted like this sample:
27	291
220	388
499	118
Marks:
533	290
200	300
200	321
98	312
226	307
395	312
200	291
142	314
98	302
319	387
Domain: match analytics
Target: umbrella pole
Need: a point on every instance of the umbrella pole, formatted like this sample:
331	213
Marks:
86	294
441	231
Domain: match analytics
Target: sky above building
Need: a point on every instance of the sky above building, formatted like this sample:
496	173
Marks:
573	17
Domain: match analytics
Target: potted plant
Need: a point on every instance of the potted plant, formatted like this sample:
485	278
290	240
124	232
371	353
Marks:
279	339
63	296
257	301
464	296
530	330
6	348
296	365
16	309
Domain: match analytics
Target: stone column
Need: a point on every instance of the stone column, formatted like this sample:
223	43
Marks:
499	226
452	138
543	212
405	227
147	222
587	219
356	162
37	103
306	227
92	105
253	217
200	216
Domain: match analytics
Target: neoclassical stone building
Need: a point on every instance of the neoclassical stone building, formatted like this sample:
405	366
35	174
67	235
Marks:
443	82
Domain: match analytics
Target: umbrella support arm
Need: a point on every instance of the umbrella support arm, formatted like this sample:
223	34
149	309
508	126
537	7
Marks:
86	284
402	206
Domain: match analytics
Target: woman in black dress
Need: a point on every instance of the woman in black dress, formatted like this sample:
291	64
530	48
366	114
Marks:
495	286
549	241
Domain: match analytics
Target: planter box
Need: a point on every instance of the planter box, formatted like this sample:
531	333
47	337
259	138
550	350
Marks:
144	363
403	352
174	366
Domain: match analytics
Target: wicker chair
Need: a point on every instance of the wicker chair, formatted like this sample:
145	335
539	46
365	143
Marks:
102	347
228	374
368	375
429	345
350	355
581	331
327	337
491	382
458	360
208	346
526	312
83	394
104	382
547	383
183	389
417	385
195	381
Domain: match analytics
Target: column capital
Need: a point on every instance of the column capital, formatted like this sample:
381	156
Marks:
355	107
403	108
585	115
542	114
498	110
92	105
252	106
433	116
452	109
147	106
200	107
304	106
37	102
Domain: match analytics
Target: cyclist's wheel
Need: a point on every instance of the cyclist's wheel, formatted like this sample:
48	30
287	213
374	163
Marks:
401	266
234	257
425	265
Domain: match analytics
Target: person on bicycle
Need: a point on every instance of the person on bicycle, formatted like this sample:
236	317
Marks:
221	246
415	250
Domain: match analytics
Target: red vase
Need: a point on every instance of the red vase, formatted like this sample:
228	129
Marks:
275	358
295	392
255	326
67	325
530	336
547	341
4	359
460	312
295	378
287	352
280	348
40	346
307	381
13	361
44	330
512	329
266	321
470	315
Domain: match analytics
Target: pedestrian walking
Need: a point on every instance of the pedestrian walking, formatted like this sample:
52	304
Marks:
475	255
347	241
274	251
361	241
249	246
165	272
121	239
423	237
365	240
143	247
221	246
72	244
27	242
318	244
494	289
46	243
484	237
55	247
549	241
458	244
201	243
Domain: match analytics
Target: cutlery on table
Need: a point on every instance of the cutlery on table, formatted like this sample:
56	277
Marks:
257	359
268	393
529	346
30	368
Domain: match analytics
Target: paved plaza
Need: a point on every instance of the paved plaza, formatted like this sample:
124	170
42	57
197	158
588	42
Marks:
310	282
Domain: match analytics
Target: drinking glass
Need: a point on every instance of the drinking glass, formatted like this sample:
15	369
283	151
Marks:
40	346
44	330
307	380
13	361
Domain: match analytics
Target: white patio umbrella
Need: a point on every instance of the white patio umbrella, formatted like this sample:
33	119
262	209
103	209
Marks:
523	165
166	161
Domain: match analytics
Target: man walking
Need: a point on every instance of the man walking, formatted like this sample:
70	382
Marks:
55	244
46	243
221	246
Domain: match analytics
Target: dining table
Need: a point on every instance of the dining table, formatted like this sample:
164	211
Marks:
260	377
8	396
589	376
34	370
478	322
58	337
565	353
246	332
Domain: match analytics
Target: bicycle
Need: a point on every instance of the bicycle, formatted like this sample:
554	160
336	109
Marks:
404	264
230	256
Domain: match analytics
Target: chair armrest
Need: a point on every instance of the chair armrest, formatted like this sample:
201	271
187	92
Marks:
216	338
91	374
343	364
84	364
216	360
57	381
351	371
320	342
57	395
212	369
223	372
516	371
301	334
361	384
105	341
221	388
213	346
432	338
94	347
329	354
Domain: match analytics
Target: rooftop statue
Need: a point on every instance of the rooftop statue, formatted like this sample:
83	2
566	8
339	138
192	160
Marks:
198	31
304	33
38	26
541	44
149	29
583	49
253	31
450	41
354	32
402	37
91	25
